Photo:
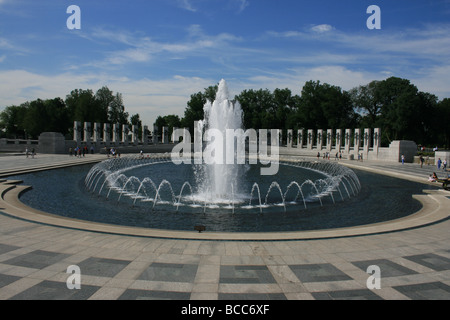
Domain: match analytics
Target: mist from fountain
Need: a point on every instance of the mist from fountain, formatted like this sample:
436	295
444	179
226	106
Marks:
111	176
217	178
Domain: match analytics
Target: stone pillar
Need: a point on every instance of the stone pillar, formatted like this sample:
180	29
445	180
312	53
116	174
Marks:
145	133
319	139
348	140
125	132
134	135
87	132
300	138
116	133
329	139
155	135
310	139
290	138
106	133
172	138
77	129
165	135
97	132
367	136
338	140
357	141
376	139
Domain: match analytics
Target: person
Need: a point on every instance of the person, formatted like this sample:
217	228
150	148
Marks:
431	178
33	152
403	159
435	177
444	165
439	162
27	152
422	160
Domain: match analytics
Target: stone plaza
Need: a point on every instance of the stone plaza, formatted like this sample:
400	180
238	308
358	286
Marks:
36	250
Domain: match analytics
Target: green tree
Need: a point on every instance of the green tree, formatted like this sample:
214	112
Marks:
104	98
194	110
83	106
116	111
441	125
367	100
11	121
323	106
257	106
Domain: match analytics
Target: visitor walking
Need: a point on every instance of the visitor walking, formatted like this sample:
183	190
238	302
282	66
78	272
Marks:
439	162
403	159
444	165
422	160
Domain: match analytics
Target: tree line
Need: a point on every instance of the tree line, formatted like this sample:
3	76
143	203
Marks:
395	105
30	119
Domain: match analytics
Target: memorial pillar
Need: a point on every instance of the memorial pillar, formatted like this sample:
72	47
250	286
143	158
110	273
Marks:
300	139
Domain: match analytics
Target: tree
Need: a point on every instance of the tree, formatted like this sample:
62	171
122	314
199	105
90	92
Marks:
105	98
367	100
440	123
194	110
116	111
257	106
83	106
323	106
11	121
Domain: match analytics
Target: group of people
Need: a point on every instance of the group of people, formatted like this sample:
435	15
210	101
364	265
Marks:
31	153
327	156
442	164
80	151
112	152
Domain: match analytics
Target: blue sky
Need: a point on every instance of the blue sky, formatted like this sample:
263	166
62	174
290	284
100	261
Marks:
159	52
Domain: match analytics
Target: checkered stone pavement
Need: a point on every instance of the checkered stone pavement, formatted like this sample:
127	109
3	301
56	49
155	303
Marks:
34	259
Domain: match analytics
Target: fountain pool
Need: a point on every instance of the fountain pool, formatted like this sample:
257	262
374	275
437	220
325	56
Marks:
63	192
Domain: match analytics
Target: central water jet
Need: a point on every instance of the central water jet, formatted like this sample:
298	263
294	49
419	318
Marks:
218	178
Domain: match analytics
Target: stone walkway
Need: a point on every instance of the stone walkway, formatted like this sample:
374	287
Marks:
35	256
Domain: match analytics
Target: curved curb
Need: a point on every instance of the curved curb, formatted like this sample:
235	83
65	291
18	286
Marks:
435	209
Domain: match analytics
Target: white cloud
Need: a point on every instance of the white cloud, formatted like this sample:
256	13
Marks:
242	5
142	48
321	28
187	5
148	97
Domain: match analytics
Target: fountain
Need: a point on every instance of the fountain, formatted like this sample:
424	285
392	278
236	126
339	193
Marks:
220	183
222	195
219	179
